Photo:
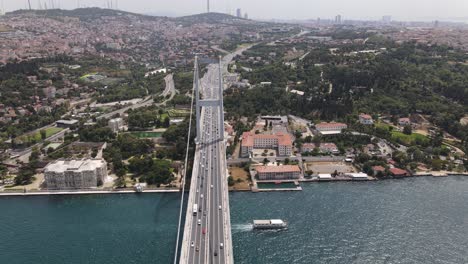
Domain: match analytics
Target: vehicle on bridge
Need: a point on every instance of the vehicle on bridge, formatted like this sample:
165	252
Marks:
195	209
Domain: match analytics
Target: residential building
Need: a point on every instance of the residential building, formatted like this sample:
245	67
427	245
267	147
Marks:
280	141
116	124
66	123
75	174
404	121
366	119
330	128
396	172
323	147
283	172
378	169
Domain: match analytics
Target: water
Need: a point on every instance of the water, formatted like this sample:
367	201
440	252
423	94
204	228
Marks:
421	220
121	228
400	221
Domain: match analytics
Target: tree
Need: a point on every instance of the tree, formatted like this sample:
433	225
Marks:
407	130
43	134
25	175
166	121
231	181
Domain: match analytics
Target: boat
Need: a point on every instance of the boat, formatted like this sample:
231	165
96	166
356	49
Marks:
269	224
138	188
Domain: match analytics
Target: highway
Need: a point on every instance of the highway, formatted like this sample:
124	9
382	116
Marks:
207	231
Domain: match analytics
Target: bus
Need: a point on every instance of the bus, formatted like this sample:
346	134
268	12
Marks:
195	209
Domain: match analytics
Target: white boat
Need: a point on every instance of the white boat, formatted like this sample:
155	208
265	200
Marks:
269	224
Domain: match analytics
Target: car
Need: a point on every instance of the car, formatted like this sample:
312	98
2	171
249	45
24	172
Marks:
221	245
199	221
204	213
204	231
201	196
216	253
211	186
191	245
197	249
220	207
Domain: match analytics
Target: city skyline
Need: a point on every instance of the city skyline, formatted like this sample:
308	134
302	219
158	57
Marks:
417	10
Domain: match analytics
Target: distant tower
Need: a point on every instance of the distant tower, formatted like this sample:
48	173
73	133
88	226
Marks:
338	19
239	13
207	6
246	16
386	19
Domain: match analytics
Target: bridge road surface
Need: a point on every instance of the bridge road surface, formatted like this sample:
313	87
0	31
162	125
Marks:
205	231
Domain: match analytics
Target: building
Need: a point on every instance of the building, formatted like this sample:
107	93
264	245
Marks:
239	13
50	92
404	121
324	148
75	174
378	169
330	128
396	172
116	124
283	172
280	141
357	176
66	123
366	119
275	120
338	19
386	19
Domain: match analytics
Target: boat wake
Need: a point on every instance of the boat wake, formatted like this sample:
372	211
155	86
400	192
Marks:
242	227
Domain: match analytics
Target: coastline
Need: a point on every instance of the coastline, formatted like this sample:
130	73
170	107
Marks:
85	192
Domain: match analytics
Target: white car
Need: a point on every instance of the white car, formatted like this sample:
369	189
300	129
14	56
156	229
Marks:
220	207
211	186
191	245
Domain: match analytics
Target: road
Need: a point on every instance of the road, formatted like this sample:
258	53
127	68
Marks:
207	225
207	234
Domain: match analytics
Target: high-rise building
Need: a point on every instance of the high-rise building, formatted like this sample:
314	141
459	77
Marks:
387	19
246	16
338	19
207	6
239	13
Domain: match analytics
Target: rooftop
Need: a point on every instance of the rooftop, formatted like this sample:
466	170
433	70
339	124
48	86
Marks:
74	165
278	169
283	138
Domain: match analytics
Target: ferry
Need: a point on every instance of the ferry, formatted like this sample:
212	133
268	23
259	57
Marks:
269	224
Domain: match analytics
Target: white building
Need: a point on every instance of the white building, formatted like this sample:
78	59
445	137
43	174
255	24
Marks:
116	124
75	174
330	128
284	172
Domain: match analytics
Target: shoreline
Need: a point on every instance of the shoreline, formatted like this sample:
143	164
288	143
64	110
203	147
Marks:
3	193
91	192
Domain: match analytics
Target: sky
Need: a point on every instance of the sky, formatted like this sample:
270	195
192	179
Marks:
408	10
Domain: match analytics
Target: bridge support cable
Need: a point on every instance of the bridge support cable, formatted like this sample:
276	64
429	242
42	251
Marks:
196	83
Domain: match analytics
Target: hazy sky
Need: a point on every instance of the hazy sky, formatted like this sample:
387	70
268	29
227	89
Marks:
281	9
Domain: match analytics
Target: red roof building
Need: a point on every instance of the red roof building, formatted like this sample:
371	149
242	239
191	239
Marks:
398	172
280	141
